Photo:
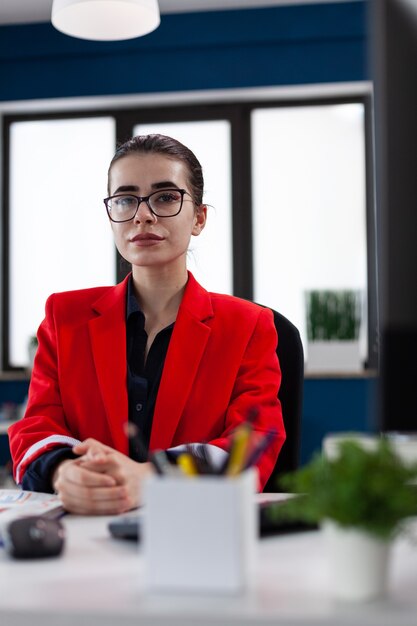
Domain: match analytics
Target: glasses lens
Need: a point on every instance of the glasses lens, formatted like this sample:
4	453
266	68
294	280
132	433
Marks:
166	203
122	208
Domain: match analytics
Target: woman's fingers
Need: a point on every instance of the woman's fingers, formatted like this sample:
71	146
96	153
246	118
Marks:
100	480
101	501
80	474
108	465
84	491
92	447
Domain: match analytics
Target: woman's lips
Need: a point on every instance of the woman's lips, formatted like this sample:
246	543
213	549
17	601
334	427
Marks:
146	239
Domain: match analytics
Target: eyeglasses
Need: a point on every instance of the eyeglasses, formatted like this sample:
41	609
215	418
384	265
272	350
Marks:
164	203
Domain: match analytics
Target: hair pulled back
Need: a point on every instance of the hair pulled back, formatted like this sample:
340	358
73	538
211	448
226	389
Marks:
162	144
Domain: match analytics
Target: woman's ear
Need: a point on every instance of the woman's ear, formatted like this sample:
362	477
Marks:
200	218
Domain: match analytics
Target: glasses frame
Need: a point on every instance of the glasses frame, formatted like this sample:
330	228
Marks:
141	199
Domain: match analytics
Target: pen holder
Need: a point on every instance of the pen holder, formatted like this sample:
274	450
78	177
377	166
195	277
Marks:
199	533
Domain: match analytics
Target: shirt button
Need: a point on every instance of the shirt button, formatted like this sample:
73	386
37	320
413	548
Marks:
139	407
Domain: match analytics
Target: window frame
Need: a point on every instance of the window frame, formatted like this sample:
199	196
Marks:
238	114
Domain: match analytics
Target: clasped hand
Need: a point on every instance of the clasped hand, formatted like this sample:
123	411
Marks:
101	481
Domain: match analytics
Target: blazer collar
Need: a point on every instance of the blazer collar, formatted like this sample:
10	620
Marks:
196	300
114	296
108	340
188	342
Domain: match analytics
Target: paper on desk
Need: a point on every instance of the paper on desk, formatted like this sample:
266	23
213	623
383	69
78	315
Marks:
16	503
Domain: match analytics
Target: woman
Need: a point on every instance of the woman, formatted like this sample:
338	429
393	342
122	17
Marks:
156	353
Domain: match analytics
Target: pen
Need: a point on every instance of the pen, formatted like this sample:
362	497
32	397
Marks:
260	448
136	442
160	462
201	458
252	414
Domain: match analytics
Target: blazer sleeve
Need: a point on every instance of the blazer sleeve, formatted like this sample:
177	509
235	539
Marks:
255	394
43	426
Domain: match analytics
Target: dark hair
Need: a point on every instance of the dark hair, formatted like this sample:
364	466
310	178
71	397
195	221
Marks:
162	144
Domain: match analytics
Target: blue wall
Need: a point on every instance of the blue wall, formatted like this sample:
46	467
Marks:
289	45
210	50
336	405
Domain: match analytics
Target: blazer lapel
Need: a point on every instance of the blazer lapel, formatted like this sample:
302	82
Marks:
108	339
185	351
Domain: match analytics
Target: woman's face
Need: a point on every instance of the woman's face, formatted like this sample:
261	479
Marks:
148	240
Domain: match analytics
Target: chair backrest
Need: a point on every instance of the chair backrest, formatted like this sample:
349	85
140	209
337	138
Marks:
291	358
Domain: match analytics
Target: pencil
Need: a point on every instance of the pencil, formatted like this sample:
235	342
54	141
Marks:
186	462
240	446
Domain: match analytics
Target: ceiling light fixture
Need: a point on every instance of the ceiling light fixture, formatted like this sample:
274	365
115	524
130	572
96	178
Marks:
105	20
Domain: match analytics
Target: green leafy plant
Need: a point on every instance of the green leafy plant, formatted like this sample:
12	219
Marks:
333	315
371	490
33	341
32	347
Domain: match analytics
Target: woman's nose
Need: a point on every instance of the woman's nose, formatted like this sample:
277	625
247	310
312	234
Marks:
144	214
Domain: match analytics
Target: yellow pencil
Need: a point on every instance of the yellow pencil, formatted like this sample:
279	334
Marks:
187	464
239	450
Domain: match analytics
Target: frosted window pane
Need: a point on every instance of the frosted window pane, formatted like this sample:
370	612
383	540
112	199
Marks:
60	237
210	254
309	205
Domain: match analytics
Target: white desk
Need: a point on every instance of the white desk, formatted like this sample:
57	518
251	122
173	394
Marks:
100	581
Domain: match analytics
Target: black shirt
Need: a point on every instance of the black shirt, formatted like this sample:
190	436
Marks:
143	379
143	376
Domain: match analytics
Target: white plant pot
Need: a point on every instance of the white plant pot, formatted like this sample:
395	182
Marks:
333	356
358	563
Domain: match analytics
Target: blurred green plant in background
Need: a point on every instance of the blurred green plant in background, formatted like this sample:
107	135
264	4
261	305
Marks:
333	315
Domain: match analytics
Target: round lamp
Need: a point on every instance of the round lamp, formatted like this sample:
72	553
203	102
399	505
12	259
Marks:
105	20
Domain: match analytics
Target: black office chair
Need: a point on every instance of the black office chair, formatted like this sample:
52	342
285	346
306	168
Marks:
291	357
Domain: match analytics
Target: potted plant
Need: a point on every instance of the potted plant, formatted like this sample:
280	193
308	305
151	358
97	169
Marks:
361	499
32	348
333	325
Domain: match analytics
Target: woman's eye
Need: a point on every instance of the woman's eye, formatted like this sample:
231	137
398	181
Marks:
168	196
124	202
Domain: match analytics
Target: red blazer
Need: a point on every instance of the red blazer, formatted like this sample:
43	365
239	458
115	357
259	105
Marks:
221	361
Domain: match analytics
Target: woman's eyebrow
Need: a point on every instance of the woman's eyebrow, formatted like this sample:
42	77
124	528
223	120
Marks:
165	184
124	188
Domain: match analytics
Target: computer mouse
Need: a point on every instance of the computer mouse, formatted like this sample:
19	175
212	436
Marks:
34	537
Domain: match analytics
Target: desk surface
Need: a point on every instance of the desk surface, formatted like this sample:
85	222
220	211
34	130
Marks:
101	581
